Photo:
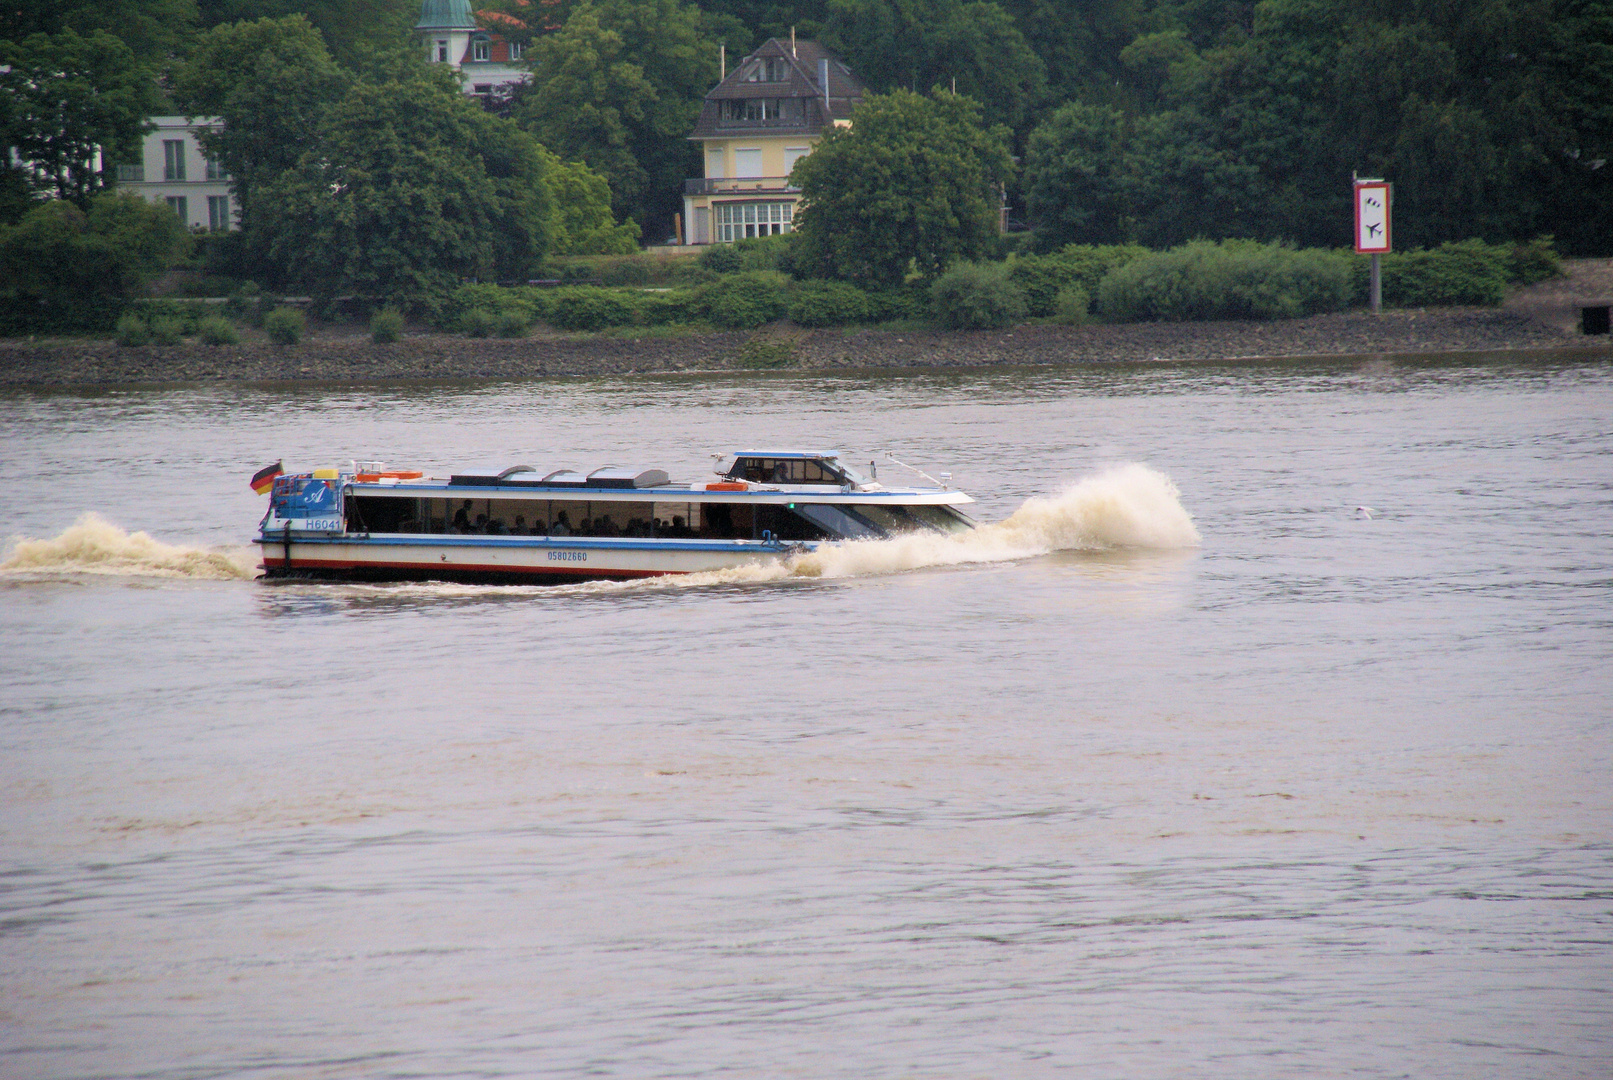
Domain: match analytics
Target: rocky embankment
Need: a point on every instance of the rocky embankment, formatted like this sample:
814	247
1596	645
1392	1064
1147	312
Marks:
337	356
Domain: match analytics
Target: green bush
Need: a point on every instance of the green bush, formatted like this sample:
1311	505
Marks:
511	324
450	312
1468	272
165	331
632	271
187	313
588	307
667	308
765	253
722	259
1232	279
1534	261
977	296
829	303
132	330
217	330
746	300
901	303
478	322
285	326
386	325
1080	265
1073	307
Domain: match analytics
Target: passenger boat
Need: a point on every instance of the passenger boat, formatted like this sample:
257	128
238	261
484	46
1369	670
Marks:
513	525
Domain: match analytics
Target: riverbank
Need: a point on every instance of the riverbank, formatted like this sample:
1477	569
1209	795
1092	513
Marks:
341	355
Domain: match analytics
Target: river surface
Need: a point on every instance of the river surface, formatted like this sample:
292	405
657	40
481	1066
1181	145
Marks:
1326	792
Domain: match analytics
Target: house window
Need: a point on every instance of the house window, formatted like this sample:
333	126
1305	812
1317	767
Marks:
442	51
176	203
132	173
173	159
747	162
792	154
516	48
481	49
764	110
738	220
218	212
770	69
482	89
213	169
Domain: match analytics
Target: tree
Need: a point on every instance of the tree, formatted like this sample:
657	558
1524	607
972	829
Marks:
583	223
921	44
65	269
352	29
1074	170
408	187
154	30
620	87
74	106
913	181
271	81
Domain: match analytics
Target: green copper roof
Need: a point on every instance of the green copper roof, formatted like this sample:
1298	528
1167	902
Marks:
443	14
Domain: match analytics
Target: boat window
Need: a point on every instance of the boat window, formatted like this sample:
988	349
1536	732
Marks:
612	519
761	470
941	518
834	522
788	523
677	520
373	514
891	519
726	521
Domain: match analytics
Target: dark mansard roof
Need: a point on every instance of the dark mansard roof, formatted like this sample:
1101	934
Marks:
800	68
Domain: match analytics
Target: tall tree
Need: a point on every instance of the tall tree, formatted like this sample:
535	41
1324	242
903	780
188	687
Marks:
75	105
620	87
408	187
352	29
271	81
914	182
922	44
154	30
1074	176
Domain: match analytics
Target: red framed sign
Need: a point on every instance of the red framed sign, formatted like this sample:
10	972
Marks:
1372	198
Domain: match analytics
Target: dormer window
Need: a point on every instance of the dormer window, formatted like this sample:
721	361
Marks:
768	69
481	49
516	48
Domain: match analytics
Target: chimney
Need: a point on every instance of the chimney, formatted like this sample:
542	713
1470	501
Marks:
792	43
823	81
722	58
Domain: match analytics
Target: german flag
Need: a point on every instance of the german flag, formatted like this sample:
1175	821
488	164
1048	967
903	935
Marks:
263	479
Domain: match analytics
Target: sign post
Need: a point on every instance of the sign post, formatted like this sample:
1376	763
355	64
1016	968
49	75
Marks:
1372	198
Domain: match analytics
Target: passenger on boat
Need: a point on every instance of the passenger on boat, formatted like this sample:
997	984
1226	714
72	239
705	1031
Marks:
462	518
562	525
480	528
520	525
496	527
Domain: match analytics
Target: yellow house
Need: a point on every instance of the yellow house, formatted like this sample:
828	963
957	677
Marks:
755	125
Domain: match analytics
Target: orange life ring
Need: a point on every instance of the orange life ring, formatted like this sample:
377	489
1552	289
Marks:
372	477
739	486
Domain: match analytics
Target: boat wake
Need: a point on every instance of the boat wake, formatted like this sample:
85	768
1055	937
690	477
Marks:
93	545
1126	506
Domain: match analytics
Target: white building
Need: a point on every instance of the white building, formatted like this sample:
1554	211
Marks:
173	169
484	60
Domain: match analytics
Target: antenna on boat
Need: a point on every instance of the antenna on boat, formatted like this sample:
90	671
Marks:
921	472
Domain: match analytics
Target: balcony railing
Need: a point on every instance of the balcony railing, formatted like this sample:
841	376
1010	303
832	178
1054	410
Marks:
720	186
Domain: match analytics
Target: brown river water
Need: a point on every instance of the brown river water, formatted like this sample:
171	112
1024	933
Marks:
1269	737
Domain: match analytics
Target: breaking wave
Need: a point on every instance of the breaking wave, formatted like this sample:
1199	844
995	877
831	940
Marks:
93	545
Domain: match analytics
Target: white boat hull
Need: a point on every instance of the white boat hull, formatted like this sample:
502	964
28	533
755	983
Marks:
500	559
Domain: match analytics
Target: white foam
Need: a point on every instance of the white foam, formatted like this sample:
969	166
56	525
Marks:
93	545
1126	506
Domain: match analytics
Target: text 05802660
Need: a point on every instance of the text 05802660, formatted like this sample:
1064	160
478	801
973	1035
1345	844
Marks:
568	556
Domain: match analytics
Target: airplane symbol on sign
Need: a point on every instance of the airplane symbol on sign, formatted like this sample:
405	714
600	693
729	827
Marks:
1372	230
